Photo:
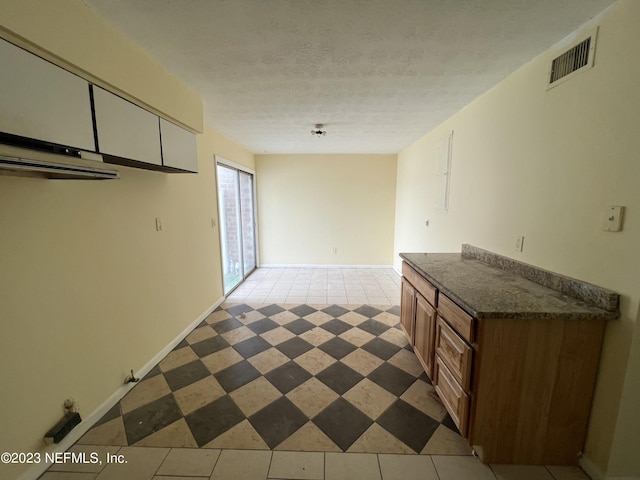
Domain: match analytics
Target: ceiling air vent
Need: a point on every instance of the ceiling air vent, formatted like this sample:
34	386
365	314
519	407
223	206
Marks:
577	58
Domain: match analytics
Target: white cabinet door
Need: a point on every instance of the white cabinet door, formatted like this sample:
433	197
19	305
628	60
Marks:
42	101
178	147
126	130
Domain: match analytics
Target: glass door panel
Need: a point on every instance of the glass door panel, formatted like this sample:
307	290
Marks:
248	222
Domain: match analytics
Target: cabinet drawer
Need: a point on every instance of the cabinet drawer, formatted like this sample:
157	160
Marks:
452	395
428	291
454	351
460	320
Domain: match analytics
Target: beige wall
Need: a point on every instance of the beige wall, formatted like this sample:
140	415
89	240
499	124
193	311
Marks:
309	204
89	289
545	164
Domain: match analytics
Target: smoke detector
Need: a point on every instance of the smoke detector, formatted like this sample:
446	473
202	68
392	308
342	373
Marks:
318	130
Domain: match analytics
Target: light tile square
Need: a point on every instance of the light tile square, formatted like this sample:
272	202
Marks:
238	335
268	360
453	467
316	336
423	396
521	472
356	336
407	467
192	462
221	359
352	466
407	361
277	335
315	360
87	467
198	394
312	397
362	361
567	473
255	395
144	392
242	465
200	334
369	398
141	463
297	465
177	358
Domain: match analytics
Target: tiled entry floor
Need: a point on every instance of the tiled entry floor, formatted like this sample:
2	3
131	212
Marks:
331	378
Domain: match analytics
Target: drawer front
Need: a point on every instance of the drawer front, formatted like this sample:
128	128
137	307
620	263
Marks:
460	320
452	395
455	352
428	291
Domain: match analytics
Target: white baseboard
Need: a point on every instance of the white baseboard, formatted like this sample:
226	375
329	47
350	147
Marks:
595	473
74	435
312	265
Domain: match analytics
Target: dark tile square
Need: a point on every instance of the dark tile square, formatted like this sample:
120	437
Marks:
150	418
262	326
408	424
236	376
342	422
271	310
391	378
214	419
182	344
294	347
339	378
209	346
368	311
114	412
238	309
336	326
153	372
226	325
288	376
381	348
186	375
335	310
251	346
337	348
448	422
302	310
374	327
278	421
395	310
299	326
425	378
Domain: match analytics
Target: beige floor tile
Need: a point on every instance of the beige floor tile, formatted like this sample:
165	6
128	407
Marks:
296	300
362	361
423	396
175	435
453	467
353	318
312	397
200	334
318	318
315	360
381	302
357	337
222	359
395	336
297	465
407	361
316	336
109	433
215	317
252	316
521	472
369	398
141	464
268	360
277	335
92	453
189	462
255	395
407	467
68	476
377	440
567	473
177	358
284	317
352	466
198	394
242	436
237	335
309	438
337	300
444	441
242	465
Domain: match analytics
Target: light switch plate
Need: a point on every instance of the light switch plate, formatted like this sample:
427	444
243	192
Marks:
613	218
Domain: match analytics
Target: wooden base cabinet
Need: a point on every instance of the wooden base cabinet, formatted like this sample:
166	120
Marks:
519	389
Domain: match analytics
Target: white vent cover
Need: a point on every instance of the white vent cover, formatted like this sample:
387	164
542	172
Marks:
577	58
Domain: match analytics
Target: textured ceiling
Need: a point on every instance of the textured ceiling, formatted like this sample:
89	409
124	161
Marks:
378	73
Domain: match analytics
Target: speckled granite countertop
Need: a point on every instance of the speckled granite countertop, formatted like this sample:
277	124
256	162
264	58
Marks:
487	285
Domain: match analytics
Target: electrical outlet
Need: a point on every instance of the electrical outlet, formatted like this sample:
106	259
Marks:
519	243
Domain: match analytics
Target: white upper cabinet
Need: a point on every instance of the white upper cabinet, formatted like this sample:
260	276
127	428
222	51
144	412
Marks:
178	147
126	130
42	101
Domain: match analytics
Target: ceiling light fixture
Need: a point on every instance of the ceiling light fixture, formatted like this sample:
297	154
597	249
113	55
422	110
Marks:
318	130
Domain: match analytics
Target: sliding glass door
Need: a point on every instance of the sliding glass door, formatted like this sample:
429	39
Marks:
237	225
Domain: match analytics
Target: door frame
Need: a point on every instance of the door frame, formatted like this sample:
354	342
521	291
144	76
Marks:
220	160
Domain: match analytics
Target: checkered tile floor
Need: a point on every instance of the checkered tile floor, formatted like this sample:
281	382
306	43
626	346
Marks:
287	377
